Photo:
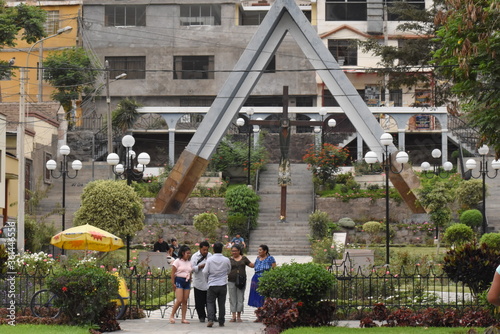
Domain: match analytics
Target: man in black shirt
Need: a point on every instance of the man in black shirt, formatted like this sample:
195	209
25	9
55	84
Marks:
161	246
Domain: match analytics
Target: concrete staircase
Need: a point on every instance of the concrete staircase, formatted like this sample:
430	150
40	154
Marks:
289	238
74	189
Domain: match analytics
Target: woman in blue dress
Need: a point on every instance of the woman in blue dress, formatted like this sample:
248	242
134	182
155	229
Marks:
263	263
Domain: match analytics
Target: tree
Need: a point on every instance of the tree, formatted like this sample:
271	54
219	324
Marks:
70	72
469	57
436	197
409	63
28	19
125	115
325	162
112	206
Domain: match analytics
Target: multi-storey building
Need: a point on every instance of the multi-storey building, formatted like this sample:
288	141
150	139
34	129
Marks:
40	137
60	14
177	55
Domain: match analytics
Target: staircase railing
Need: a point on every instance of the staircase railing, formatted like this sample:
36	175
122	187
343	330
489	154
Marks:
343	130
99	145
466	134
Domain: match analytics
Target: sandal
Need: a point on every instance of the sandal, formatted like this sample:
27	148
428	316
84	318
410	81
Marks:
232	320
185	322
172	321
239	320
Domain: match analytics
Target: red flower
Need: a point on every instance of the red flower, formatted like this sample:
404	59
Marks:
64	289
299	304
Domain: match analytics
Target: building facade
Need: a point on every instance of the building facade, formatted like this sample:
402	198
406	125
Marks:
177	55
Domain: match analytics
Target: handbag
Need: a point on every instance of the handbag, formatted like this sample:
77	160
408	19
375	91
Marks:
241	280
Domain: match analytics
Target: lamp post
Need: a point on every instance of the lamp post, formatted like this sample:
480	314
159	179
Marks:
402	158
436	168
429	172
20	143
331	123
483	172
109	116
51	165
240	122
127	170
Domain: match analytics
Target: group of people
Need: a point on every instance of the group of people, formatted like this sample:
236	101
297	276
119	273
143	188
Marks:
213	277
162	246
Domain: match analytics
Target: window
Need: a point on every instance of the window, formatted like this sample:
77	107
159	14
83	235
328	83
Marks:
395	97
52	23
345	10
135	67
330	101
391	5
344	51
122	16
251	18
193	67
200	15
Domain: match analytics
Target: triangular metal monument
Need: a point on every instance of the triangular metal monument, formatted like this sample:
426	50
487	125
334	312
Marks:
283	17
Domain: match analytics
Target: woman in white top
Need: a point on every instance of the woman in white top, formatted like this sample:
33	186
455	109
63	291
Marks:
181	280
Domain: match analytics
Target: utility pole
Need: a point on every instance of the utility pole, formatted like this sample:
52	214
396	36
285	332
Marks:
109	116
21	161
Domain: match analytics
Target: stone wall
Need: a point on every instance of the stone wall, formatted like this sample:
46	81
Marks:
362	209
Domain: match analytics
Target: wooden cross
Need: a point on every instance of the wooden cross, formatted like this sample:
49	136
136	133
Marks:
284	176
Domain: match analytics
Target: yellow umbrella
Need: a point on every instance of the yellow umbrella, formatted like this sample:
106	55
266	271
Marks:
87	237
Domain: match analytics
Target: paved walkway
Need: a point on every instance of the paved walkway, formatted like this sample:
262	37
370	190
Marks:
155	323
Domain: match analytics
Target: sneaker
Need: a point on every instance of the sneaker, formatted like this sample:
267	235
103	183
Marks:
202	319
221	324
210	324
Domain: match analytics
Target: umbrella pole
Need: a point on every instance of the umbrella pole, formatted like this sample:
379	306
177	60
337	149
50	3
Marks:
128	250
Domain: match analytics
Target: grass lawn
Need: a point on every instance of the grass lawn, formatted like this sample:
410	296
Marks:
384	330
43	329
415	251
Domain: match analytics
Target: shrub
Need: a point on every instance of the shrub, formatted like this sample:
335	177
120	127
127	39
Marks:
491	239
278	314
238	223
112	206
318	224
346	223
344	177
473	265
472	218
4	256
84	292
372	227
37	234
305	282
326	161
206	223
243	200
458	234
351	184
469	193
33	263
373	186
324	251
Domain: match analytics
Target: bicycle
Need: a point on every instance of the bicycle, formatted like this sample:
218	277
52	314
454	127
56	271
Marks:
43	303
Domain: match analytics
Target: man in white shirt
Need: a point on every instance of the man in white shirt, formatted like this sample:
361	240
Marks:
216	270
200	285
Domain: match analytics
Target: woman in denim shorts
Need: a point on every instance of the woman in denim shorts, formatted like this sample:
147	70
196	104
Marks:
181	281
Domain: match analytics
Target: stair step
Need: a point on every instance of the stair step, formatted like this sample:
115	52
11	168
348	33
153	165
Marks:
284	238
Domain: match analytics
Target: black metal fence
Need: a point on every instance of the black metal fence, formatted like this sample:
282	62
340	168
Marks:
358	289
148	289
355	291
